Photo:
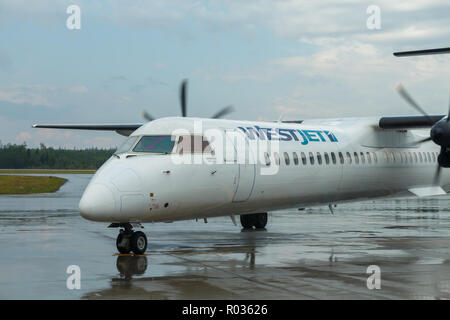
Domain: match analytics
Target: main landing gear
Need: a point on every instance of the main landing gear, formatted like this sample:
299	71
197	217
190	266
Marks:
129	240
257	220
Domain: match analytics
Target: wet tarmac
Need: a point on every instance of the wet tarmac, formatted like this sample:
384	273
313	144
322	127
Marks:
307	254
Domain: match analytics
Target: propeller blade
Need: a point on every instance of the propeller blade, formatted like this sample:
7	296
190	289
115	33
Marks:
437	175
224	111
183	97
147	116
422	52
401	90
415	143
448	115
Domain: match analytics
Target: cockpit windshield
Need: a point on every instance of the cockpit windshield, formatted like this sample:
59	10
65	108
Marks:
126	146
155	144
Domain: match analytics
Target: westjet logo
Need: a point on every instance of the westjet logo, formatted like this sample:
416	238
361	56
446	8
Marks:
303	136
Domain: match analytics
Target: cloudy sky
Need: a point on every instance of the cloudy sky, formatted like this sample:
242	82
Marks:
306	59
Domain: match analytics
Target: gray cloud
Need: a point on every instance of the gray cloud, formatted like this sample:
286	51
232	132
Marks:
5	61
156	82
118	78
137	88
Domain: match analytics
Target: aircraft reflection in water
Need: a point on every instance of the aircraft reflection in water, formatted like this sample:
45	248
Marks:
130	265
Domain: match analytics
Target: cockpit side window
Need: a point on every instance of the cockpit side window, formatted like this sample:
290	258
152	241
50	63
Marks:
155	144
126	146
193	144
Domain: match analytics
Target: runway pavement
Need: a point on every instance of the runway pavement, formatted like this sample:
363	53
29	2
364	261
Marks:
307	254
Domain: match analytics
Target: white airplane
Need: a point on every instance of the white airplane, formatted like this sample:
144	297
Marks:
182	168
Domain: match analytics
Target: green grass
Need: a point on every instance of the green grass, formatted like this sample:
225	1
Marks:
68	171
10	184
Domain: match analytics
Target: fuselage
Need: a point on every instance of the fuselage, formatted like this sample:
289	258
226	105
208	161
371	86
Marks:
285	165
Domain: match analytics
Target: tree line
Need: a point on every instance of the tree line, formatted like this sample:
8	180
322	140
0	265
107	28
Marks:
13	156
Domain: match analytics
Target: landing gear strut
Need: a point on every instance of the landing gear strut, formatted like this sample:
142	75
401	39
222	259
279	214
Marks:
129	240
257	220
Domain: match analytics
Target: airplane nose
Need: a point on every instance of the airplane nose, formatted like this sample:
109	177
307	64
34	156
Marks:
97	203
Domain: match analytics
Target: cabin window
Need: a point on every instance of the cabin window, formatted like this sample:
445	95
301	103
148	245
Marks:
267	158
362	157
429	157
277	158
434	156
295	157
375	159
420	157
311	158
286	158
126	145
341	157
333	158
327	158
410	158
369	159
386	158
319	158
391	157
193	144
415	157
303	155
349	158
395	157
155	144
355	154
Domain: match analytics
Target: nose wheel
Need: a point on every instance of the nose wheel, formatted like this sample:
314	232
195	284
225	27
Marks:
131	241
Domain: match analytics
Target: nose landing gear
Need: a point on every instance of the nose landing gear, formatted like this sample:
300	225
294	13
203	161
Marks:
131	241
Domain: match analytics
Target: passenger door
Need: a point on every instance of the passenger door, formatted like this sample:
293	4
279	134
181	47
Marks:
240	153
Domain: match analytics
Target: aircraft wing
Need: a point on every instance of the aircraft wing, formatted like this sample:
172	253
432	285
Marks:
123	129
409	122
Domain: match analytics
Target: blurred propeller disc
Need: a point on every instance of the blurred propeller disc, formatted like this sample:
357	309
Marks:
183	101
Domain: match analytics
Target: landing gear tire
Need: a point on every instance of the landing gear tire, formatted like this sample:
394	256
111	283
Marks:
138	242
128	241
247	221
257	220
123	243
260	220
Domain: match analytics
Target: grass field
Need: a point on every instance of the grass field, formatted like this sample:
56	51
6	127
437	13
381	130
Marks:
69	171
10	184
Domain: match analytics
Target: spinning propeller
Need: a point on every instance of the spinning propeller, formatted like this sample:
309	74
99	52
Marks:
439	133
183	100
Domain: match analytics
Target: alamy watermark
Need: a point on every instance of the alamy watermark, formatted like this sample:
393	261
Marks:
74	279
374	280
373	21
73	21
